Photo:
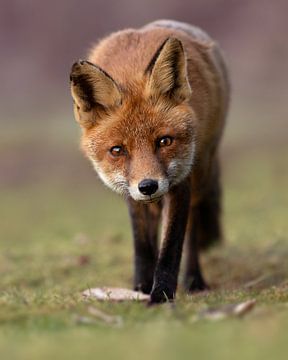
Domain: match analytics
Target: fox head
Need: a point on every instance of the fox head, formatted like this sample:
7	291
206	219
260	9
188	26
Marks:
140	137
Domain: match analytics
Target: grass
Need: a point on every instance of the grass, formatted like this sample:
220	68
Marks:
59	237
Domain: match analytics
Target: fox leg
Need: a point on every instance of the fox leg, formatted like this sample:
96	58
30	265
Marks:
145	221
175	214
193	279
204	229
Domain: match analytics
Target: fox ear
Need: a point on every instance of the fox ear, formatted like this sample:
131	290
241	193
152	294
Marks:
168	71
92	88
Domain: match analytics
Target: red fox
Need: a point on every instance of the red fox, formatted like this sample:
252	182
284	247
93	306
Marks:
152	103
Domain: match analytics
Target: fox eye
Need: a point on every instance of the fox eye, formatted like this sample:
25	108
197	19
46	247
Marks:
117	150
165	141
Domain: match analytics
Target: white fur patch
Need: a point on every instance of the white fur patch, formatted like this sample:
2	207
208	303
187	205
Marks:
179	169
116	181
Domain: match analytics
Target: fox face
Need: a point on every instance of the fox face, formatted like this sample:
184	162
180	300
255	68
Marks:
139	136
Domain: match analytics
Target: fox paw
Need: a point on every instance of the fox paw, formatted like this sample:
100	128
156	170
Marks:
161	295
195	284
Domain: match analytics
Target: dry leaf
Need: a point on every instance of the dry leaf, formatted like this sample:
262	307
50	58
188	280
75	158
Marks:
115	294
221	312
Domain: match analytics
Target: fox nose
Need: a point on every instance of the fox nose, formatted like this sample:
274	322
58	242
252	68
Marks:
148	186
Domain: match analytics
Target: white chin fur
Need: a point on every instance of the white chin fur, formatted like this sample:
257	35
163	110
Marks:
179	169
118	183
163	187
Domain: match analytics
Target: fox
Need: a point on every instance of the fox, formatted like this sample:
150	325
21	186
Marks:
152	103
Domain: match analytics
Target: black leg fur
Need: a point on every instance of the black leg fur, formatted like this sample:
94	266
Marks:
203	230
175	214
209	213
145	221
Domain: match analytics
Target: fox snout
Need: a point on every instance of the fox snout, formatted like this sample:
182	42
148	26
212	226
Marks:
149	189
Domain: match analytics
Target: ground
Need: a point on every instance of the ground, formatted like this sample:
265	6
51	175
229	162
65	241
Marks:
62	233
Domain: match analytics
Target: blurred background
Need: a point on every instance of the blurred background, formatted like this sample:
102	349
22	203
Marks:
42	168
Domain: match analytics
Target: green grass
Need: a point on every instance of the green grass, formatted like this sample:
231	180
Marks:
58	239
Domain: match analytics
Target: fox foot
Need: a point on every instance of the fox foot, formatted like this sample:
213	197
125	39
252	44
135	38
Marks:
161	294
195	283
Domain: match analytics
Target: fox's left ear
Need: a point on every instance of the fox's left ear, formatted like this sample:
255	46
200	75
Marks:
167	71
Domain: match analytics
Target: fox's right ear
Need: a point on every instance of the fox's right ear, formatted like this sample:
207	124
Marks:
92	89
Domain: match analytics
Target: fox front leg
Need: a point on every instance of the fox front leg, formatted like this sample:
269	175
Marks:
145	222
176	208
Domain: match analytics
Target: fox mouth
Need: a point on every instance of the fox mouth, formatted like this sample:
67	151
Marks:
151	199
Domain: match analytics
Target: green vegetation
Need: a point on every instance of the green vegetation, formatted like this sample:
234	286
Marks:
59	237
